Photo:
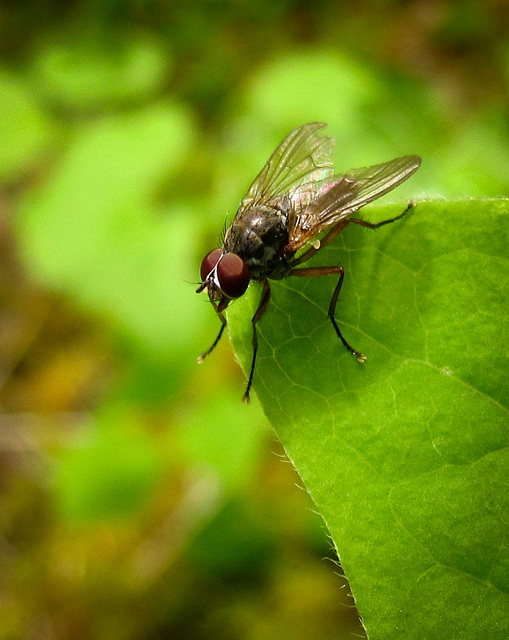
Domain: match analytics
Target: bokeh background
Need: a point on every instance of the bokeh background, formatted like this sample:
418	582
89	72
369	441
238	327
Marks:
139	498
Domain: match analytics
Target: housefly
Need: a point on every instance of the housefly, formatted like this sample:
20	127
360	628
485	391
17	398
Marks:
294	199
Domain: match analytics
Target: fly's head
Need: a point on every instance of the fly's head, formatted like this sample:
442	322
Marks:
225	276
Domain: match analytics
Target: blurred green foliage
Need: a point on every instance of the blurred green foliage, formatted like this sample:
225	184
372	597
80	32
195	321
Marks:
139	497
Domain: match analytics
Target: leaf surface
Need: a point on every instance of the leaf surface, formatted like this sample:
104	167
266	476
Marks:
406	455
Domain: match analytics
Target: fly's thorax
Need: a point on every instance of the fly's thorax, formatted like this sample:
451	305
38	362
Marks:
259	235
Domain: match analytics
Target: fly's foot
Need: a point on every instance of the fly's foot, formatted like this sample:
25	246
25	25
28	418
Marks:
359	356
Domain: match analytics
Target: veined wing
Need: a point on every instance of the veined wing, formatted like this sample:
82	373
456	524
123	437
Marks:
303	158
343	195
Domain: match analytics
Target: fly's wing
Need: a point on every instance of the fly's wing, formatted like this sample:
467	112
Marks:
343	195
303	159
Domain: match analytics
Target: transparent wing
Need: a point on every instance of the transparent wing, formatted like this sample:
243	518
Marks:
341	196
301	160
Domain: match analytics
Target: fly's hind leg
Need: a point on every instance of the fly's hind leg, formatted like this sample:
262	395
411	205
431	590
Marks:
375	225
311	272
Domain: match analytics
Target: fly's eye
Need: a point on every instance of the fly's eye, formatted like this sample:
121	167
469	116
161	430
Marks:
233	275
209	262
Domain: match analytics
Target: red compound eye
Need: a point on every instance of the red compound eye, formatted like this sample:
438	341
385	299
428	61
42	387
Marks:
209	262
233	275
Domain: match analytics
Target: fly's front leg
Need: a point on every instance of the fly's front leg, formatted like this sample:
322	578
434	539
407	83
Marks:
375	225
203	355
312	272
262	307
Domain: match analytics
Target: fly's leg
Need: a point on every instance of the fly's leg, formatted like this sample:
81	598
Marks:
332	310
323	242
328	237
262	307
203	355
311	272
375	225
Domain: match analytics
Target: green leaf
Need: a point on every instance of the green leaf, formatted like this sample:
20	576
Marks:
405	456
25	131
110	473
92	230
228	456
297	78
85	73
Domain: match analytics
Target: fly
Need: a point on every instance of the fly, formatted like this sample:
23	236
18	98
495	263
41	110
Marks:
295	198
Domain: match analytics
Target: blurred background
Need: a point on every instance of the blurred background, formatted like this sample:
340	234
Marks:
139	498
